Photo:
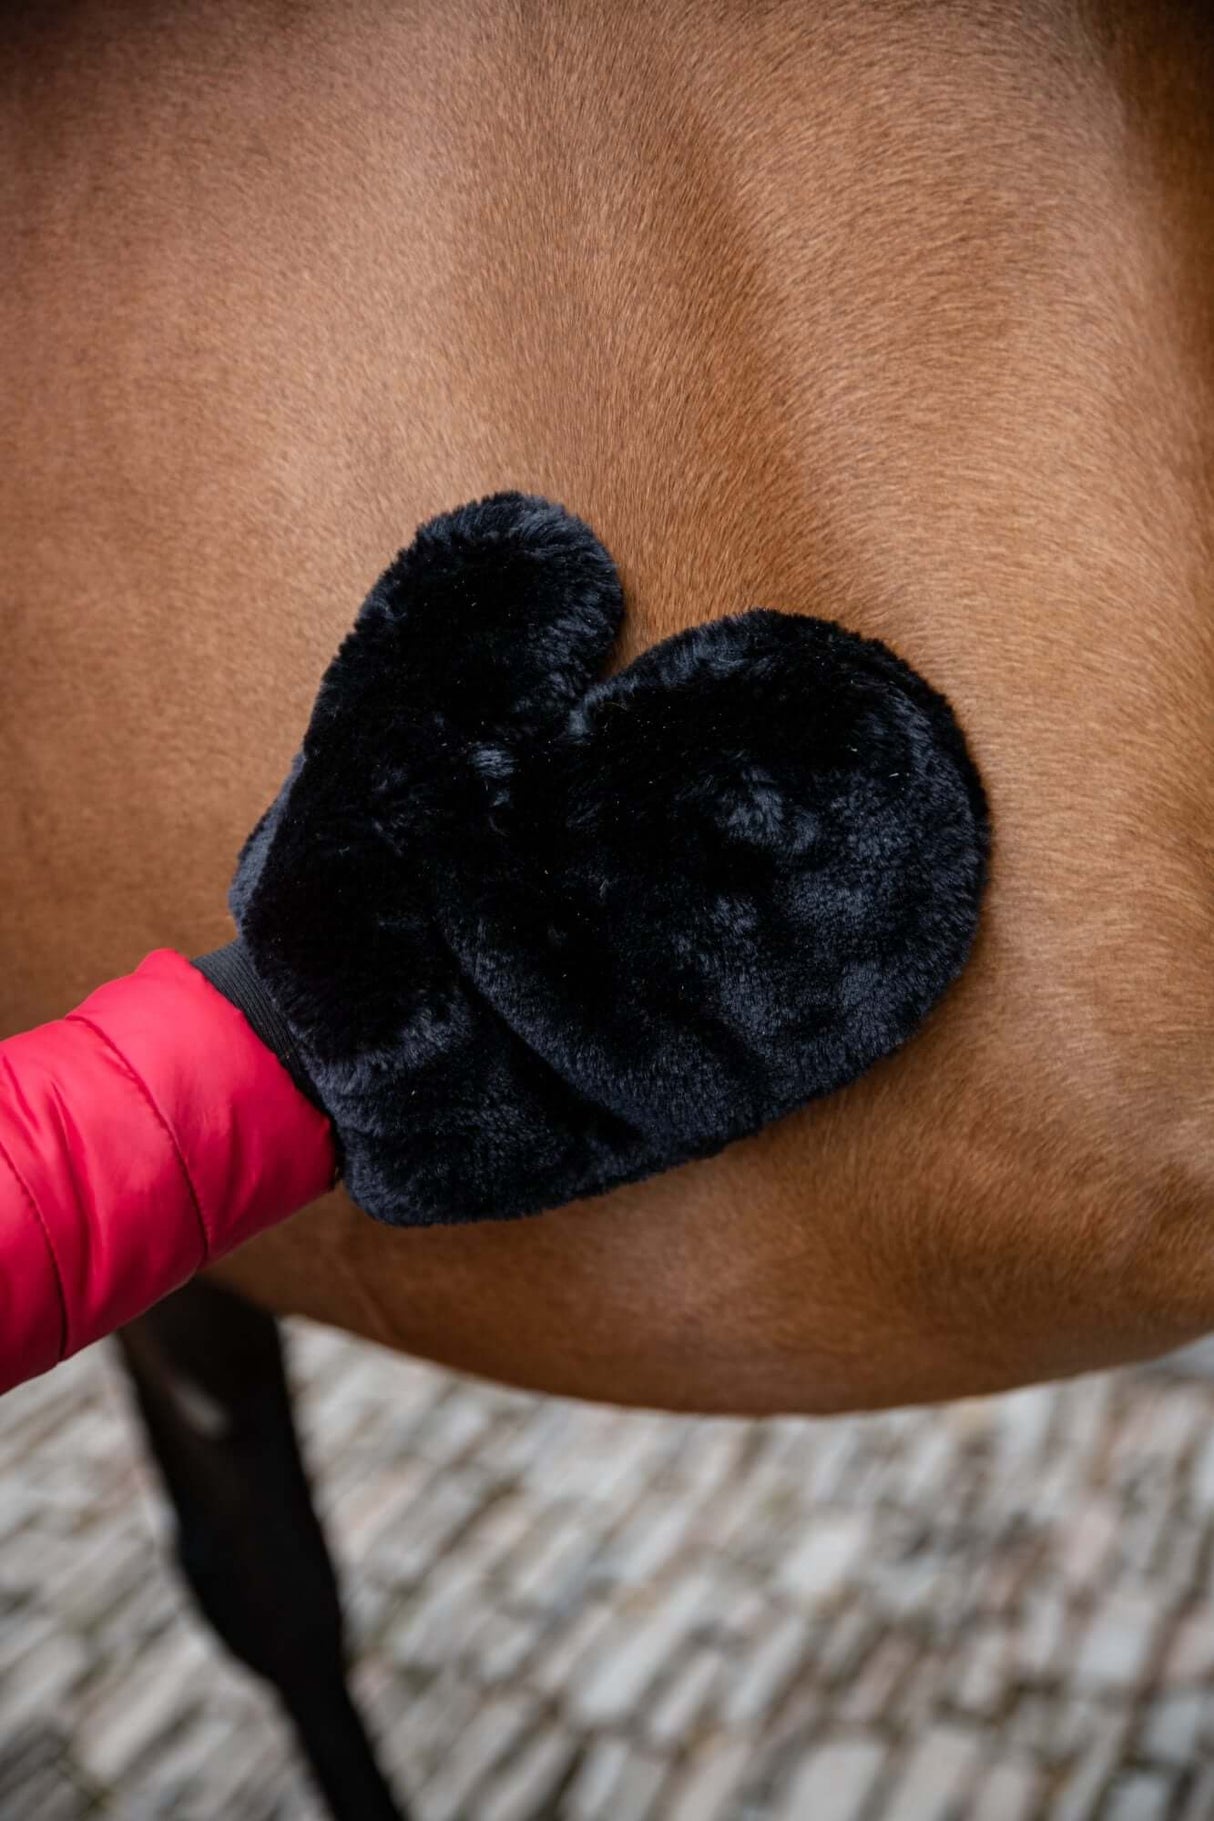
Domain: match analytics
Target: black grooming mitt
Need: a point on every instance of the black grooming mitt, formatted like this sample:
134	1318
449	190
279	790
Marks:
533	934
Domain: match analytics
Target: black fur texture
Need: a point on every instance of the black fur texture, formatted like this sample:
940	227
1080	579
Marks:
538	934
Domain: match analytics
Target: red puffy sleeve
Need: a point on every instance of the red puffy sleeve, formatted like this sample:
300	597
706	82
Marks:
145	1134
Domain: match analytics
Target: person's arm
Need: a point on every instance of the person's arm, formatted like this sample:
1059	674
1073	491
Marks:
145	1134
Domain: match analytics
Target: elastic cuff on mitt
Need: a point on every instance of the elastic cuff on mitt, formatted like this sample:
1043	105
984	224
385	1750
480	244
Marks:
231	973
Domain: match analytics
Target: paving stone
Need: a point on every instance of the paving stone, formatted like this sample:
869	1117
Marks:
621	1670
652	1538
1010	1791
379	1502
504	1528
1139	1796
543	1571
835	1781
48	1794
936	1778
441	1620
1198	1804
677	1709
419	1740
982	1684
741	1612
998	1610
709	1786
452	1429
834	1451
435	1518
140	1708
848	1641
927	1472
872	1689
573	1646
1118	1642
491	1733
767	1673
1094	1769
500	1647
919	1698
41	1682
245	1778
184	1761
525	1789
1201	1479
1190	1653
34	1772
1174	1724
594	1791
823	1561
1045	1634
1089	1542
1021	1425
1075	1717
709	1456
639	1792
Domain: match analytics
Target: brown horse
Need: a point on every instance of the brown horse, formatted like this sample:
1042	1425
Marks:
895	311
901	313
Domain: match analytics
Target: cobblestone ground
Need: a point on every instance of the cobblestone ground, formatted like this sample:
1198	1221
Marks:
999	1610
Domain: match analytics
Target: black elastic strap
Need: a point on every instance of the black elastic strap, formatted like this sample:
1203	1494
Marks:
231	973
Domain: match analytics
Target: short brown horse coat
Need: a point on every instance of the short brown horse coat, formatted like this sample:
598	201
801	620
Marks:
898	311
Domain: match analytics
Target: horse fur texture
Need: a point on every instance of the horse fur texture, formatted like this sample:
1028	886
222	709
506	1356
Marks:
536	934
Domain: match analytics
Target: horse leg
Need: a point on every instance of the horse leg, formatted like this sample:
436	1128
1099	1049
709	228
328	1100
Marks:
207	1369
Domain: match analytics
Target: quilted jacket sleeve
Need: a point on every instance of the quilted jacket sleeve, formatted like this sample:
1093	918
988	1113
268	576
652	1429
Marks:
141	1137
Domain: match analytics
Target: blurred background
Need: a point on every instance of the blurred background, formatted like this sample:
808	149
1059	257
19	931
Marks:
1002	1609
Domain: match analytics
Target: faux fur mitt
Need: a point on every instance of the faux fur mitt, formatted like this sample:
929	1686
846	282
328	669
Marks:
533	934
